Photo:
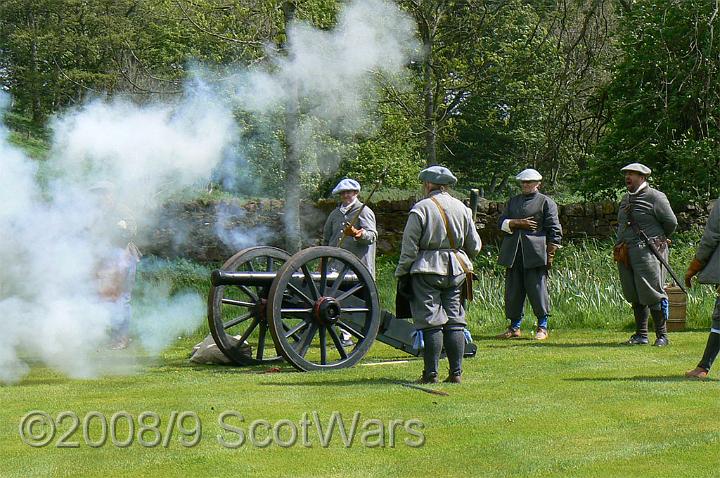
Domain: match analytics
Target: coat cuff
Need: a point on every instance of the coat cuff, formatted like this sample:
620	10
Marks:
506	226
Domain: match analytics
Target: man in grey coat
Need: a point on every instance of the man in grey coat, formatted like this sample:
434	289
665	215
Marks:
642	275
532	236
359	238
706	265
439	242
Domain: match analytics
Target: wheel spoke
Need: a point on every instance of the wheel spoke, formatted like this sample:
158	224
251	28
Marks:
302	294
351	331
237	320
261	340
323	345
307	339
270	264
291	332
249	330
338	281
238	303
347	294
323	274
253	296
296	311
310	281
250	265
338	343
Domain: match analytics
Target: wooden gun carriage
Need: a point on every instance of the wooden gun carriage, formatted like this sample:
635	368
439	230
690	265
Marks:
265	306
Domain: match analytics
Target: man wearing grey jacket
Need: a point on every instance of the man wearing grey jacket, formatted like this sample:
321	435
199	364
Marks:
706	265
359	238
532	236
642	275
438	244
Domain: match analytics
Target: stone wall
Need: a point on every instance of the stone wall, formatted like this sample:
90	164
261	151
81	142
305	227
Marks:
213	231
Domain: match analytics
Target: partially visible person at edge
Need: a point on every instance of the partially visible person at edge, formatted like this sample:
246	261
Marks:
532	237
706	265
359	238
115	270
642	275
438	245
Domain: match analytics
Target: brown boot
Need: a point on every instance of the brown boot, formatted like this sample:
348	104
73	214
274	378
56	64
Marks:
510	333
697	372
427	378
541	333
453	379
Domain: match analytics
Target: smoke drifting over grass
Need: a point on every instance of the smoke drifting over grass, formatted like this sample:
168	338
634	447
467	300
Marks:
50	247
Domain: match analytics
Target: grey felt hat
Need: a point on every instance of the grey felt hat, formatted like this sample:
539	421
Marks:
346	184
638	168
529	175
437	175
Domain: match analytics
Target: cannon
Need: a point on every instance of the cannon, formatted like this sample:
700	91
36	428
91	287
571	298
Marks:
265	306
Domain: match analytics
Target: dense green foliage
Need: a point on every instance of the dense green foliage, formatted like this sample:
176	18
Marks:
574	88
664	99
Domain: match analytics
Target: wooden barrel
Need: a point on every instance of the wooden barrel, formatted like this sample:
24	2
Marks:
677	300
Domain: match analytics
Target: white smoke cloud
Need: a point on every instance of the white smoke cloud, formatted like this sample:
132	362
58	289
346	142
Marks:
49	246
332	72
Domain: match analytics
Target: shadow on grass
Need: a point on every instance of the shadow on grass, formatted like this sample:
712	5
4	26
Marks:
641	378
497	344
342	382
35	381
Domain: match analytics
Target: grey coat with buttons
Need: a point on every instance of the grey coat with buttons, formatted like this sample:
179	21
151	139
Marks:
708	252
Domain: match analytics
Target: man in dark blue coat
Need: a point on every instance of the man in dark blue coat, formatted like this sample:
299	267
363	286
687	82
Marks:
532	236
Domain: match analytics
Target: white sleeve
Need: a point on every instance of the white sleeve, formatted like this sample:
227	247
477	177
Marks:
506	226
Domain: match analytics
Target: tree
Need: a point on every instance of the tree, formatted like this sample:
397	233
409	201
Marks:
664	100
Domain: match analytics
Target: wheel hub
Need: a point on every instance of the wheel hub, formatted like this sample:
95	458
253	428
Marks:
327	310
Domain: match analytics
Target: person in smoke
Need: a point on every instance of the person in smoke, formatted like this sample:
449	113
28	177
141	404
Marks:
115	270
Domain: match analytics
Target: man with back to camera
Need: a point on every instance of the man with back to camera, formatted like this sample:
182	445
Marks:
642	275
532	236
438	244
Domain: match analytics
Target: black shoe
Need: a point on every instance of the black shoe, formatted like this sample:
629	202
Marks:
637	339
661	341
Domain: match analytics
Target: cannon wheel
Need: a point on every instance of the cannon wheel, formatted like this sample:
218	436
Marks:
234	311
306	311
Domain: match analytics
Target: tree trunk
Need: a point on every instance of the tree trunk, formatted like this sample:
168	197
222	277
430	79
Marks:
36	108
292	167
429	97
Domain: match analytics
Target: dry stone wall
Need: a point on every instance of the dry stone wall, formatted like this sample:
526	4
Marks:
213	231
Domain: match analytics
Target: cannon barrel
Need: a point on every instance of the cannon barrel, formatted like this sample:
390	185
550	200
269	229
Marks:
219	277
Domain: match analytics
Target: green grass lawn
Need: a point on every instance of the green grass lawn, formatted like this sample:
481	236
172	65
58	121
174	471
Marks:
576	405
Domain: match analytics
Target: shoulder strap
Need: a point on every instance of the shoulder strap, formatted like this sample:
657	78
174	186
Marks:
451	239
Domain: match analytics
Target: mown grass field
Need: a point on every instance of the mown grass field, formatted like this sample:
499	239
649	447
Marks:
578	404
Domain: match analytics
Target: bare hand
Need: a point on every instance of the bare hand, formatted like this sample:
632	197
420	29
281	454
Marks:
527	223
350	231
